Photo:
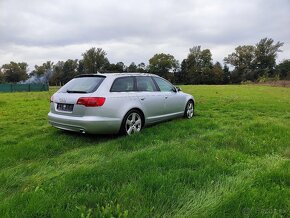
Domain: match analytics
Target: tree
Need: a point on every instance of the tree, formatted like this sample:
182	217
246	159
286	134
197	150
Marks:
120	66
198	66
116	68
182	75
283	69
227	75
132	67
265	57
243	59
81	69
56	78
163	65
141	68
95	60
70	70
64	71
2	78
15	72
217	75
252	62
42	69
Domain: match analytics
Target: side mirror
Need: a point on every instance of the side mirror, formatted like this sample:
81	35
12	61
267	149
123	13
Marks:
178	89
174	89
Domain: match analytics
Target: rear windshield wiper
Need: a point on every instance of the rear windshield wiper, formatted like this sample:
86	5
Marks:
75	91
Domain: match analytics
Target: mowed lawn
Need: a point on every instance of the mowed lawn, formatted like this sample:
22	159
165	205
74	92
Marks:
230	160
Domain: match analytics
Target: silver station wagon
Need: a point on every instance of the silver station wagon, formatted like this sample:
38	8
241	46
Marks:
117	103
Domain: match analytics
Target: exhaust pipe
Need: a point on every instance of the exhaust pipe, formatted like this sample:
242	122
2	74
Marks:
82	131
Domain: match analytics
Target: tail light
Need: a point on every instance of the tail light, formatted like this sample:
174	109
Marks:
91	101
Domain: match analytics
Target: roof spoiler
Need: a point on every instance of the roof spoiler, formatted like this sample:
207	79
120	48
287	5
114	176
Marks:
90	75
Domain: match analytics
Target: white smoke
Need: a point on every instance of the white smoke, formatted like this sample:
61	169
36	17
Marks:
38	78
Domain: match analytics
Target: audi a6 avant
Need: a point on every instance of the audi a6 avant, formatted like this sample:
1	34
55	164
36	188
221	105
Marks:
117	102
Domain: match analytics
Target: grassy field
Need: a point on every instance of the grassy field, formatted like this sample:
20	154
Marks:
230	160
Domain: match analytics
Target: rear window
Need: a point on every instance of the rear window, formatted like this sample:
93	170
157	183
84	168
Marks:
82	85
123	84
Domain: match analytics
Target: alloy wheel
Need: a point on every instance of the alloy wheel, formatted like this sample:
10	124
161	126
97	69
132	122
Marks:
189	110
133	123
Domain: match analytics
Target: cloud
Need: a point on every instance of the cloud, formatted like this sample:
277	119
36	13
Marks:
134	30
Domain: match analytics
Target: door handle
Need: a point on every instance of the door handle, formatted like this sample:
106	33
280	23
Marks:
166	97
142	99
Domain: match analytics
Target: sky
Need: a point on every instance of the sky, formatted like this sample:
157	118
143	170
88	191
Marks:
35	31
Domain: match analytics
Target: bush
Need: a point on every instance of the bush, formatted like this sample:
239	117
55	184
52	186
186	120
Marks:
247	82
264	79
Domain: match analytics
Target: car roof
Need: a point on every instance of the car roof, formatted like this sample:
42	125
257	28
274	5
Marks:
117	74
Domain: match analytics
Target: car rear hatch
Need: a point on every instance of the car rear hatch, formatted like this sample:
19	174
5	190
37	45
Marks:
69	100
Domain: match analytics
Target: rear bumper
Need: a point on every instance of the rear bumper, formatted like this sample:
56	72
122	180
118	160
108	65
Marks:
87	124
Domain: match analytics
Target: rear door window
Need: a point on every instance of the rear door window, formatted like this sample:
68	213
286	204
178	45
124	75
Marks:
123	84
145	84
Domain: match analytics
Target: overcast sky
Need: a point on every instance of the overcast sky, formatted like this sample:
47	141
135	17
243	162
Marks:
35	31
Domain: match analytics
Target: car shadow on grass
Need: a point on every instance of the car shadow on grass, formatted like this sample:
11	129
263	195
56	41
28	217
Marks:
99	138
85	139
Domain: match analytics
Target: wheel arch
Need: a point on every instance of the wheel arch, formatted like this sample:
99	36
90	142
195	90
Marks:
190	98
141	112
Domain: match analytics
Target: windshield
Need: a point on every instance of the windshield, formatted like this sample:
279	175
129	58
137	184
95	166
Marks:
82	85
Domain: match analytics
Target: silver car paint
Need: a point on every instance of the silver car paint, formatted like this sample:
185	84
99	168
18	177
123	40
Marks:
156	106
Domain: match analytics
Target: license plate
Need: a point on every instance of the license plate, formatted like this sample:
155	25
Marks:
65	107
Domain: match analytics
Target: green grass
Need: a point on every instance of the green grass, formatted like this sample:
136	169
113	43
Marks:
230	160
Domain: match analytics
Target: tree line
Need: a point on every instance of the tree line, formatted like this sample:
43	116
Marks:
248	63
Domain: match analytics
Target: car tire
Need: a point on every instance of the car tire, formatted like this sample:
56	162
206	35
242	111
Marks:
132	123
189	110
